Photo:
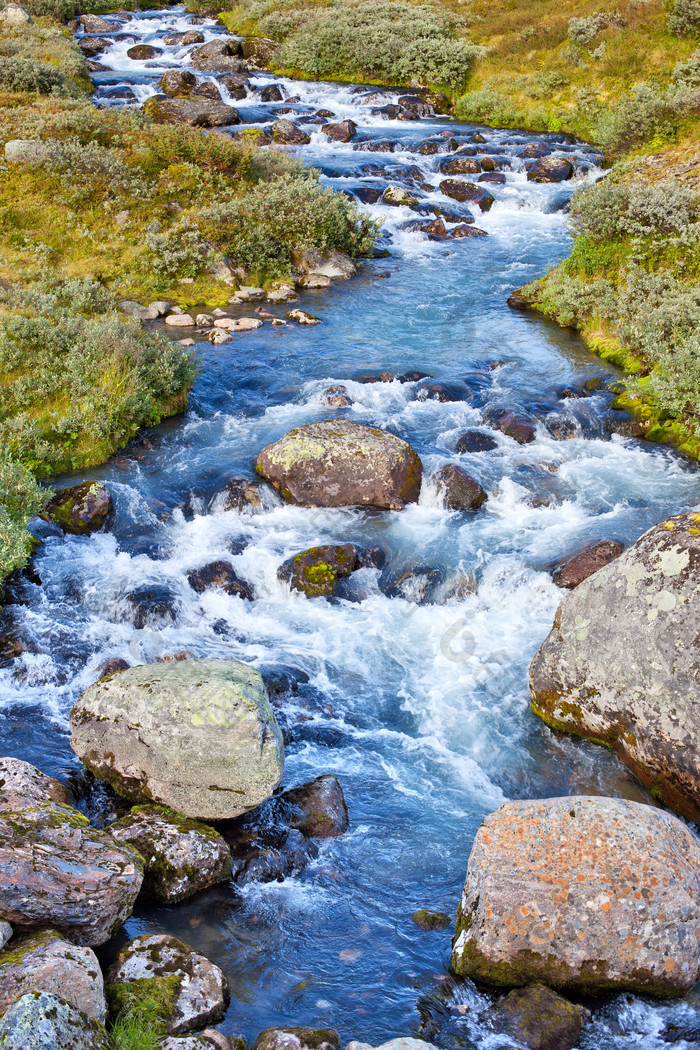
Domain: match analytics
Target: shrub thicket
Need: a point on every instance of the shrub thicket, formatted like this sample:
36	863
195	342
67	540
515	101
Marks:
20	499
684	18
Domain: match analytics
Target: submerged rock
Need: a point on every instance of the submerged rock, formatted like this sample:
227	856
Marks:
142	52
315	572
459	490
318	809
591	894
42	1021
578	566
197	989
620	665
198	736
538	1018
431	920
47	962
57	870
339	463
182	857
81	509
220	575
153	605
21	784
246	495
297	1039
414	584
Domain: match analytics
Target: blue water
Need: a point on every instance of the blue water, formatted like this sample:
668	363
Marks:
421	710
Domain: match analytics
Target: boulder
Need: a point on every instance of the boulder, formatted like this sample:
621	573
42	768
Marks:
431	920
32	153
179	320
208	1039
21	784
236	84
461	190
142	52
398	195
416	104
578	566
46	962
339	463
463	230
315	572
221	56
460	166
341	132
15	15
459	490
620	665
297	1039
475	441
336	265
512	424
197	989
220	574
551	169
259	51
286	133
318	809
434	227
271	93
81	509
182	857
94	45
42	1021
496	178
57	870
198	736
195	112
537	1018
96	24
590	894
177	82
5	934
190	36
246	495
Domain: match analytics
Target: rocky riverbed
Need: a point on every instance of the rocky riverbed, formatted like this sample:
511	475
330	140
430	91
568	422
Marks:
338	568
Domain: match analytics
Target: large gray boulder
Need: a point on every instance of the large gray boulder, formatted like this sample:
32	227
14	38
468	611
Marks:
56	870
591	894
46	962
195	112
198	989
198	736
43	1021
14	15
339	463
621	664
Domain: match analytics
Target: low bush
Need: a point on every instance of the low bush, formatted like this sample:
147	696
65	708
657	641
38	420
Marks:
20	499
610	210
684	18
26	74
584	30
643	113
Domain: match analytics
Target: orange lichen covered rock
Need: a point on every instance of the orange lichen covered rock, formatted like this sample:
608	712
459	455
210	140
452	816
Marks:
582	893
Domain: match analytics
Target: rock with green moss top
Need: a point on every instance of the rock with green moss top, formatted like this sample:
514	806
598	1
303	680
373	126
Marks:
297	1039
42	1021
193	990
198	736
621	666
339	463
316	572
317	809
22	784
538	1018
183	857
431	920
585	893
46	962
195	112
81	509
57	870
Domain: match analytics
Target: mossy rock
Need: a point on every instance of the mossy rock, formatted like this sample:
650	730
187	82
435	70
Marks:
316	572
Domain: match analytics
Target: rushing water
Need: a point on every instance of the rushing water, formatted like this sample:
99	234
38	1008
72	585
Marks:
420	709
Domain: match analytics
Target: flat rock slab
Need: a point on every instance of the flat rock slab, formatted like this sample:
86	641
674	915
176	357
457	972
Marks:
46	962
42	1021
57	870
621	663
339	463
182	857
198	736
592	894
198	988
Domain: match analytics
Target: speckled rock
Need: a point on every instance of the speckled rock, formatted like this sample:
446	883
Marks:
318	809
142	52
338	463
22	783
57	870
81	509
340	132
41	1021
209	1039
316	572
537	1018
621	663
459	490
402	1043
198	736
45	962
177	82
197	988
259	51
287	133
194	112
221	56
182	857
14	15
551	169
220	575
578	566
475	441
297	1039
461	190
585	893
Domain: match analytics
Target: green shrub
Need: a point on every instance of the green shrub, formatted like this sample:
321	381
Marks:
611	210
643	113
583	30
684	18
26	74
20	499
180	252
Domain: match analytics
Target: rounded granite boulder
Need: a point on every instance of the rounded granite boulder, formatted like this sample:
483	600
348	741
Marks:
586	893
198	736
340	463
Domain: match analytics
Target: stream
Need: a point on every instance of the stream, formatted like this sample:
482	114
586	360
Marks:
420	708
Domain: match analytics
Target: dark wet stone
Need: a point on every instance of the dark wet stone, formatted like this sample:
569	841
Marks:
458	489
246	495
445	392
220	575
370	558
551	169
459	165
81	509
271	93
467	231
430	147
367	194
112	667
533	151
416	105
475	441
578	566
220	56
142	52
153	605
415	584
412	377
341	132
539	1018
315	572
461	190
434	227
190	36
317	809
511	423
497	178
